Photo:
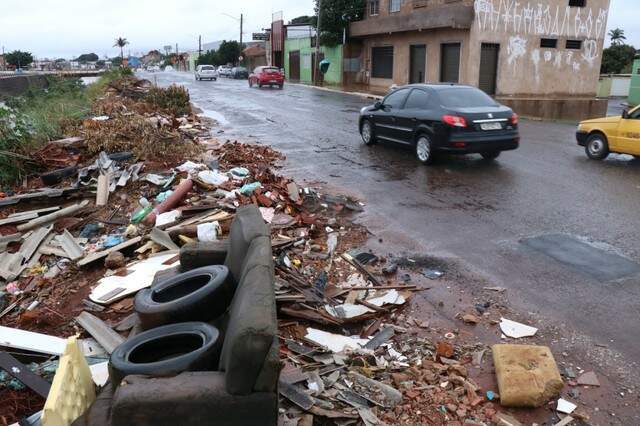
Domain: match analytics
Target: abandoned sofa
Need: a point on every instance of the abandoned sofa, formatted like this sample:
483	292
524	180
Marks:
242	388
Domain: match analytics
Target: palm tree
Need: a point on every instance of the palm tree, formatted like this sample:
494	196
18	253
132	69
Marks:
617	36
121	43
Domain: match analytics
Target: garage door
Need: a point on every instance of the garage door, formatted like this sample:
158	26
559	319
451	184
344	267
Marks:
488	67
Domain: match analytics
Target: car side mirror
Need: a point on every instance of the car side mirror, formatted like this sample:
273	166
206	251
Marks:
625	114
378	105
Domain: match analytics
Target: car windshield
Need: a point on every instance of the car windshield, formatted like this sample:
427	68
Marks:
207	68
465	97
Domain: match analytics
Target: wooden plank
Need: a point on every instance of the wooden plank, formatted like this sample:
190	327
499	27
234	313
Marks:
30	341
21	372
104	253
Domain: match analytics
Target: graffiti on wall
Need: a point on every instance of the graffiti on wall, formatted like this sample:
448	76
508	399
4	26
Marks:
522	19
526	18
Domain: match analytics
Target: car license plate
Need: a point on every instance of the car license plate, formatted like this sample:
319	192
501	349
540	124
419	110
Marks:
274	81
491	126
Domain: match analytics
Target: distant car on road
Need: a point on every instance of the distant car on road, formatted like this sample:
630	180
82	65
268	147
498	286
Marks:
435	118
239	73
618	134
153	68
224	71
206	72
266	76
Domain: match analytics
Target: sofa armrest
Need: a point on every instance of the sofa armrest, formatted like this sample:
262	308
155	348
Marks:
197	255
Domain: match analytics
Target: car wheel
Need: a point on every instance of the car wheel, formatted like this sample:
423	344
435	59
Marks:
367	133
424	149
281	86
197	295
250	83
490	155
260	85
197	78
597	147
166	351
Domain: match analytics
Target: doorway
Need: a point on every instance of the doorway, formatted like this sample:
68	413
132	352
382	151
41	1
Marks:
489	53
294	65
450	63
417	64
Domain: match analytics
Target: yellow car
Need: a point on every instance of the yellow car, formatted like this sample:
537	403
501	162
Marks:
619	134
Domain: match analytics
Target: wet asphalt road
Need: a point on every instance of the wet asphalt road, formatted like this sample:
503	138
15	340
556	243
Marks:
464	207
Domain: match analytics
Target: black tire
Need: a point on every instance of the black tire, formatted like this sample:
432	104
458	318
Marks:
197	295
424	149
166	351
250	83
260	85
367	133
490	155
597	146
281	86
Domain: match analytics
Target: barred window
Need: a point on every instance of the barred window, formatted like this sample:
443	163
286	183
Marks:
374	7
382	62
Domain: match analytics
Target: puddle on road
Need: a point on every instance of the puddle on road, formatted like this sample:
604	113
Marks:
215	116
585	258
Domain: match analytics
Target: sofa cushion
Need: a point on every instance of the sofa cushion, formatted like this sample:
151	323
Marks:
251	330
268	378
192	398
247	225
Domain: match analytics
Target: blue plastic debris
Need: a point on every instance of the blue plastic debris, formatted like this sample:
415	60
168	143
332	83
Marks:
112	241
163	196
239	172
249	188
490	395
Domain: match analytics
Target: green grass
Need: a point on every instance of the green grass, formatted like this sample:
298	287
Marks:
40	116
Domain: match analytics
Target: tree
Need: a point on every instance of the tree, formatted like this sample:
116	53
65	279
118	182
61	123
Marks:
88	57
121	43
18	58
304	19
617	36
335	18
617	58
229	52
210	57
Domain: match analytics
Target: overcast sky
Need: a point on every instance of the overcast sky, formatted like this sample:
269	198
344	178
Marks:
68	28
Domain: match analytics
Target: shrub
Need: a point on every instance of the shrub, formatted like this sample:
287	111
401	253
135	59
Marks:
174	99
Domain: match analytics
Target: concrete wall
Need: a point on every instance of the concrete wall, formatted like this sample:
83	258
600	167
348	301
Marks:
303	45
525	68
634	90
19	84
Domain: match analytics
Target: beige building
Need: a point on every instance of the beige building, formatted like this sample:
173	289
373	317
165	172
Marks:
540	56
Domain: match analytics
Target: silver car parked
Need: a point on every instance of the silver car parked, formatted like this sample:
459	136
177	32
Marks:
206	72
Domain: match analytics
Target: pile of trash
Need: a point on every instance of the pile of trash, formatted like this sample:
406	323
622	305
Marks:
111	214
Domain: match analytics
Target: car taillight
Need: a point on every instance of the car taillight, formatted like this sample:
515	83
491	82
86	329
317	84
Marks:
454	120
514	119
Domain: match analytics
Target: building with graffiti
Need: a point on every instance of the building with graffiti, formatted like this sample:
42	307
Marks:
540	56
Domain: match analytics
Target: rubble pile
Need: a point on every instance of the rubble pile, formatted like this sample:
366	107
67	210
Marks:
120	201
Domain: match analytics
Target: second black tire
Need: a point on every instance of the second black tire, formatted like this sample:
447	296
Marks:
166	351
197	295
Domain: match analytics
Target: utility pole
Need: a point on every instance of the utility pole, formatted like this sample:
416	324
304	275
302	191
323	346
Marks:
241	24
317	58
199	45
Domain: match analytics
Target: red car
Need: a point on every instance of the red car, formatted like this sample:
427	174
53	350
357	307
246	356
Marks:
266	76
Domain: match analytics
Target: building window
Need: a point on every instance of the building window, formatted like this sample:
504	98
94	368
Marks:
577	3
549	43
574	44
395	5
374	7
382	62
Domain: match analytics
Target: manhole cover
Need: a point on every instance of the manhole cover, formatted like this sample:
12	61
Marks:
584	258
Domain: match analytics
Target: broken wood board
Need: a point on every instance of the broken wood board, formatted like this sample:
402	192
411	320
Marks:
295	395
22	373
104	253
36	342
104	335
139	275
163	238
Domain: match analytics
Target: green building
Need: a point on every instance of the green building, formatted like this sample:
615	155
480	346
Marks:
634	92
299	57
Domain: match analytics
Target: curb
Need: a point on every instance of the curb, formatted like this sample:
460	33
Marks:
327	89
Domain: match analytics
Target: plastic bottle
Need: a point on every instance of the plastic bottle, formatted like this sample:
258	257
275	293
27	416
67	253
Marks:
141	214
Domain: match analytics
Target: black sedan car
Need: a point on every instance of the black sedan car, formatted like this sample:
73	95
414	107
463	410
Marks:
239	73
436	118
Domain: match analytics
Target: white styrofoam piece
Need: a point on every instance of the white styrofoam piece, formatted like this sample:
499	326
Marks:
334	342
140	276
516	330
565	406
37	342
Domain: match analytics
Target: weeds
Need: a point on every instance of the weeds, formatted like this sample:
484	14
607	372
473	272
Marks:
174	99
